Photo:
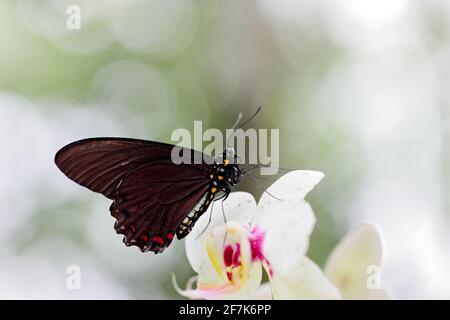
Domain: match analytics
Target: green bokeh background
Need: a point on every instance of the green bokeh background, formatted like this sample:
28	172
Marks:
144	68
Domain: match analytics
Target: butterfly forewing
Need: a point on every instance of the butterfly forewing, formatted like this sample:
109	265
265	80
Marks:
99	164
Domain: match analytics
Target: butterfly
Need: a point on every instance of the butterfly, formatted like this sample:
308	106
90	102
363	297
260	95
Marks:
154	199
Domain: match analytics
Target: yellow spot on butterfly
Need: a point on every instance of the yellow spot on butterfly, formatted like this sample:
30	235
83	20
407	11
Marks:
220	178
213	190
211	176
225	162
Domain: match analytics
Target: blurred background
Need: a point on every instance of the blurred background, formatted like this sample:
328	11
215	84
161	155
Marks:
358	88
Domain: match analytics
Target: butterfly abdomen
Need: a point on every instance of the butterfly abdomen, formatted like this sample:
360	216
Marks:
220	185
189	221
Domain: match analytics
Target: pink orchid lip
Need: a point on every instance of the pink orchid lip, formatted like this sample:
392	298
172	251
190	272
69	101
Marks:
232	258
232	252
257	238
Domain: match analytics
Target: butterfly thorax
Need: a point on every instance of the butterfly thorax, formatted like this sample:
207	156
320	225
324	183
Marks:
225	174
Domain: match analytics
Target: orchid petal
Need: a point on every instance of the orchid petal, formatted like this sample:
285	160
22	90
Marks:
239	206
355	263
303	281
264	292
229	270
294	185
288	227
249	287
289	221
222	291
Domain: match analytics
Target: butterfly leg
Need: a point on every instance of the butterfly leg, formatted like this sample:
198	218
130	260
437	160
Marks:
223	212
224	197
226	192
225	220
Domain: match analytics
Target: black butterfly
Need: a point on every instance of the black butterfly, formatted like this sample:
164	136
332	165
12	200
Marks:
154	199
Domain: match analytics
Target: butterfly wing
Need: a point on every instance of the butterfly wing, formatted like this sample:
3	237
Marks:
151	195
154	200
99	164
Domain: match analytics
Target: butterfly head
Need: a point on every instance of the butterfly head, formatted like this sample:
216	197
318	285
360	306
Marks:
228	172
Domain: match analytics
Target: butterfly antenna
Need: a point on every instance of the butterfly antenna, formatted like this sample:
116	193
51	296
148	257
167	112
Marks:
260	165
251	118
259	186
261	178
278	168
236	123
230	135
248	169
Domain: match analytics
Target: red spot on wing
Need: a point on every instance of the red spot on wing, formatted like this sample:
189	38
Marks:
170	236
158	240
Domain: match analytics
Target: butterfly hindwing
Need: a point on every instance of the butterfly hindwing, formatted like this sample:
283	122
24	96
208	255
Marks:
152	201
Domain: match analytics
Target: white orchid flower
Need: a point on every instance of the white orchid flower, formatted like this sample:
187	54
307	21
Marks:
274	234
353	268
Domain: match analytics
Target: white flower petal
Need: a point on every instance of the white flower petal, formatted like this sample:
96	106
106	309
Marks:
186	292
208	274
288	226
378	294
239	206
303	281
264	292
219	291
250	286
294	185
354	265
288	221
